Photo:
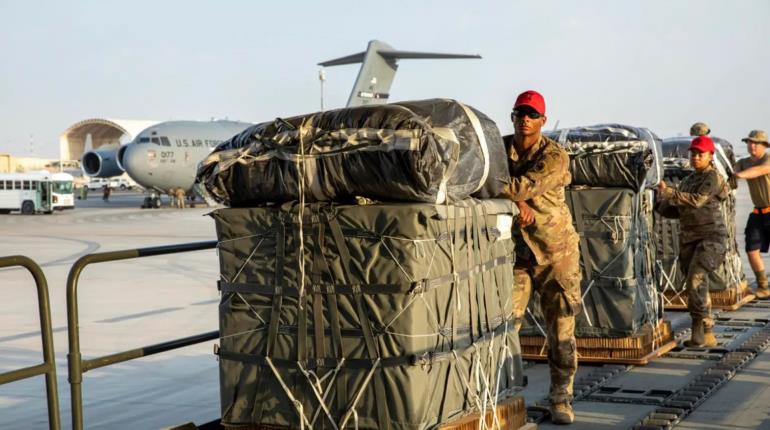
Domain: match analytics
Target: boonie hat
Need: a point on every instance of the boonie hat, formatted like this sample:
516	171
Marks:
759	136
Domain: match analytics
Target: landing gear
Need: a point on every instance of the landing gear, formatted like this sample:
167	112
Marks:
151	202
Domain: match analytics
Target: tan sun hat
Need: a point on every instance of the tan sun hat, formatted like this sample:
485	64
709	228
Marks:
759	136
699	129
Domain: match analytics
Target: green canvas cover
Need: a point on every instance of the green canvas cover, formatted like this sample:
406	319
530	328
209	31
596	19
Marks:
619	287
730	272
388	316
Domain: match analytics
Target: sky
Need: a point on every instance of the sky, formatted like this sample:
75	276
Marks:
656	64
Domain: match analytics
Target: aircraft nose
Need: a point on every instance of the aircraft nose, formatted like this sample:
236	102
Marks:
134	161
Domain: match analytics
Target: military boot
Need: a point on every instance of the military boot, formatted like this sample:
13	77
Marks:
762	292
698	335
561	413
709	340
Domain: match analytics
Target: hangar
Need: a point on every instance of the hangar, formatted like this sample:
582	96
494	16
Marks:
102	133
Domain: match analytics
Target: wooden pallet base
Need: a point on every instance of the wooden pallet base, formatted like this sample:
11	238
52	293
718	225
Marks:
638	349
511	415
726	300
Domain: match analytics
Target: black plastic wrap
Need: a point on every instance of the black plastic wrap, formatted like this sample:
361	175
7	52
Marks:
423	151
612	155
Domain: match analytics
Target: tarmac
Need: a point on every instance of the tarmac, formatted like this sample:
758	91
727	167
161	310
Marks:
133	303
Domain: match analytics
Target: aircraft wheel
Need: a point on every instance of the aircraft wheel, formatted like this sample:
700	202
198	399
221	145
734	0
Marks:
27	208
156	203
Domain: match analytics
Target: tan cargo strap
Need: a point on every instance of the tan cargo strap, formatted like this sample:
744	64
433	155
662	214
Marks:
416	287
425	359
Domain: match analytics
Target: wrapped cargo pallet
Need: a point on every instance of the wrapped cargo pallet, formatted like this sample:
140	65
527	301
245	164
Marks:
422	151
611	166
387	316
727	284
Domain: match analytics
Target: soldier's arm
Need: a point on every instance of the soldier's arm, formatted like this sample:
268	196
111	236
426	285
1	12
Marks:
753	172
710	187
549	173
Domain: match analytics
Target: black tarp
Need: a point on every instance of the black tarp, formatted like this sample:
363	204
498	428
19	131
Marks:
432	284
611	155
423	151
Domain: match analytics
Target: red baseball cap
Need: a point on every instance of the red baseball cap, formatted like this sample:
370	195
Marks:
702	144
532	99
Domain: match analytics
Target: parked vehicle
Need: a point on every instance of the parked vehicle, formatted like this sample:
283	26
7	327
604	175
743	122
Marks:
40	192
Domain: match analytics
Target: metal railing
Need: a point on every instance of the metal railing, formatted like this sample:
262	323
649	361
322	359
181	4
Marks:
77	365
48	367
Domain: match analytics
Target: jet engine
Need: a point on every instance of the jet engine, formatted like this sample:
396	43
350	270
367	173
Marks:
101	163
119	157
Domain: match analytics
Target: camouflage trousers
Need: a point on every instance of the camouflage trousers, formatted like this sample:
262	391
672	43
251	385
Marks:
697	260
558	285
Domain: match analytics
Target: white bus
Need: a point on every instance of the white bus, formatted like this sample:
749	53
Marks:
39	192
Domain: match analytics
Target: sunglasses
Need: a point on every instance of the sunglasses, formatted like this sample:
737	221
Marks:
522	113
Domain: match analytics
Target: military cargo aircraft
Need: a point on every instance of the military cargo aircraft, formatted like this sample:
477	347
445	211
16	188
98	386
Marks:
165	156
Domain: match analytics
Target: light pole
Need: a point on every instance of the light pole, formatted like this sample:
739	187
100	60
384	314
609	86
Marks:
321	79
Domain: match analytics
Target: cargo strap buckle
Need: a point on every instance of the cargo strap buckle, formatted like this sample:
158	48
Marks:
421	360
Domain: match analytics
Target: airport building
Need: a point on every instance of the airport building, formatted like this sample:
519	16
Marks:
94	134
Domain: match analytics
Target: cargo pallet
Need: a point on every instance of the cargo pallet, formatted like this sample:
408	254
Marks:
730	299
638	349
511	415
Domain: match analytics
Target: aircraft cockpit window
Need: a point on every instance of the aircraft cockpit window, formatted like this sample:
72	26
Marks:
164	141
144	140
156	141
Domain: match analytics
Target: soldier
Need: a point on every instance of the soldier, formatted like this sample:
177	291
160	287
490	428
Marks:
699	129
546	243
180	196
756	170
703	233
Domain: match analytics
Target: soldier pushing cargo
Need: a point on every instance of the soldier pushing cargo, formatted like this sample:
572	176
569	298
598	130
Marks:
703	233
546	243
756	170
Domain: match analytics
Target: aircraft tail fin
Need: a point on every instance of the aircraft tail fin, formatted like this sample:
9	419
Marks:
378	68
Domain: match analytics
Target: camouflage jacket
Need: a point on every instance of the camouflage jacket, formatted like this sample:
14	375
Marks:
539	177
697	204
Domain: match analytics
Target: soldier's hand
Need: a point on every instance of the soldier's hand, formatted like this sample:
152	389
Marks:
661	186
526	214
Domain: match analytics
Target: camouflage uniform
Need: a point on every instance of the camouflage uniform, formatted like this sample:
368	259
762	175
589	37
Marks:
703	234
547	255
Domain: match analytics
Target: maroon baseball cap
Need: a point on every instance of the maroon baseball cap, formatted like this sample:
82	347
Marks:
532	99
